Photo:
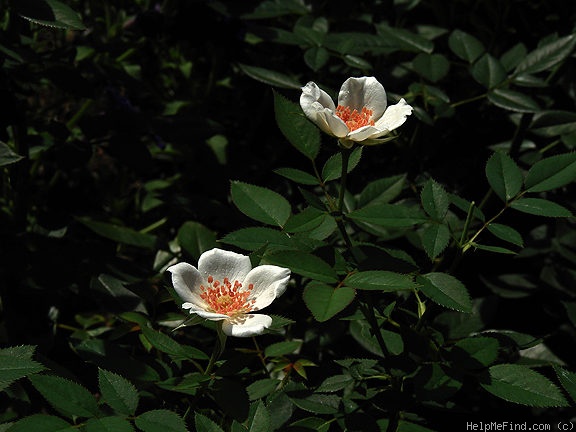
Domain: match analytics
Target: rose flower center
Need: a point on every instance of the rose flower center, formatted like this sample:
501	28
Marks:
227	298
354	119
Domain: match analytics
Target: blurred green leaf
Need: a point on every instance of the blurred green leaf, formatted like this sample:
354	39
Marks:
504	176
195	238
69	398
260	204
108	424
432	67
552	123
120	234
119	393
551	173
488	71
540	207
522	385
405	39
316	57
513	101
547	56
325	301
42	422
270	77
276	8
445	290
465	46
282	348
304	264
297	129
7	156
380	280
161	420
512	58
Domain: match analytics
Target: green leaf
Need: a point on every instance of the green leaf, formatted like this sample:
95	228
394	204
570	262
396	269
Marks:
363	334
474	352
522	385
552	123
42	422
504	176
261	422
255	238
205	424
166	344
435	200
262	388
551	173
108	424
270	77
316	57
67	397
51	13
16	363
7	156
547	56
324	301
513	101
119	393
506	233
382	190
405	39
432	67
334	383
435	239
260	204
304	264
161	420
298	130
318	403
195	238
495	249
488	71
307	220
568	381
389	215
332	169
445	290
512	58
380	280
282	348
540	207
115	289
120	234
465	46
297	176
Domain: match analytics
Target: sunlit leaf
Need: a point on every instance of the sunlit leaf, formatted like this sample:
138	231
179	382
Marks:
551	173
445	290
270	77
547	56
465	46
119	393
504	176
513	100
540	207
161	420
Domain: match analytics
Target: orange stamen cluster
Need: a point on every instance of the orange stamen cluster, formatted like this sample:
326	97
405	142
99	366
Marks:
227	298
355	119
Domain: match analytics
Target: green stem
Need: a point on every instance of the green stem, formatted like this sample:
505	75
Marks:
218	349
